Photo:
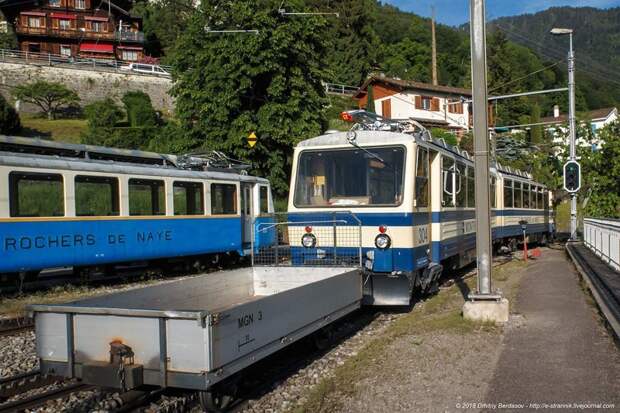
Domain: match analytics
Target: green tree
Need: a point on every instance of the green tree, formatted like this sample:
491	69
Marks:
140	111
9	119
104	113
601	174
228	86
49	96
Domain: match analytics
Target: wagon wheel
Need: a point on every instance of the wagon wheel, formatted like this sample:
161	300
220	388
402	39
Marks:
213	401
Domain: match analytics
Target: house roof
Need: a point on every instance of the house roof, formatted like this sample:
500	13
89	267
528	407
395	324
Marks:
410	84
596	114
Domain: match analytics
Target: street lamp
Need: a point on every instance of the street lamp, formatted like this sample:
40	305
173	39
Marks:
556	31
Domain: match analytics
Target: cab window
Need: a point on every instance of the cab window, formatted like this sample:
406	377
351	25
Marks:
264	199
421	178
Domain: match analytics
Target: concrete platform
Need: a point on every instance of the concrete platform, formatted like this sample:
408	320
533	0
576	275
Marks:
556	350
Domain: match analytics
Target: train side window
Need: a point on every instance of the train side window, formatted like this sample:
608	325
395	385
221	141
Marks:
539	197
447	173
264	199
471	188
518	201
508	194
461	186
146	197
421	178
188	198
493	192
96	196
36	195
526	195
223	199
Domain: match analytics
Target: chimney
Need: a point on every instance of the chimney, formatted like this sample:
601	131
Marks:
556	111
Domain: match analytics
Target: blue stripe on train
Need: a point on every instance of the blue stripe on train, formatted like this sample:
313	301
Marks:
36	245
404	219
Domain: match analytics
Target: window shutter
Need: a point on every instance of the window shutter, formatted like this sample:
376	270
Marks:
418	102
386	108
435	104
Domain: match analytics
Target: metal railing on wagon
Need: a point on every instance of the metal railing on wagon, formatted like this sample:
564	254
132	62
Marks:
602	236
330	239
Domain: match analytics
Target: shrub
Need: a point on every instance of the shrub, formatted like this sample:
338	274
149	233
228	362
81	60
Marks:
140	112
123	138
9	119
103	114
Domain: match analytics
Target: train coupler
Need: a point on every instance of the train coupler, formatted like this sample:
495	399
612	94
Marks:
120	372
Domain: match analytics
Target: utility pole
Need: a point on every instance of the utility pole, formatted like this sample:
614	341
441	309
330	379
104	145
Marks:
484	304
434	47
571	123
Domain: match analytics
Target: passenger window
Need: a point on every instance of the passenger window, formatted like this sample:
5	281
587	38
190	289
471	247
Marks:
223	199
526	195
447	173
508	194
540	204
518	198
421	178
36	195
188	198
461	186
146	197
264	199
96	196
493	194
471	188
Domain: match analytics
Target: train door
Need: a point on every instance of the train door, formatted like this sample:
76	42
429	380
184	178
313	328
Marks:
423	217
246	214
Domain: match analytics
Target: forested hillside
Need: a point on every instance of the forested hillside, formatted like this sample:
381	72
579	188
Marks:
596	43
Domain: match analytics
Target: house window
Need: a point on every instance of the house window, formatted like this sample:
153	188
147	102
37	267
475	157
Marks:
455	108
427	103
97	27
64	24
131	55
65	50
34	22
54	3
80	4
386	108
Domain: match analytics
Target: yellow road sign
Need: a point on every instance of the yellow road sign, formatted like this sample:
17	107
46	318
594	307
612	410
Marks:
252	139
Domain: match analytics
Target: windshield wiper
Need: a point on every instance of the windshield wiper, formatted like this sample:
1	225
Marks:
351	140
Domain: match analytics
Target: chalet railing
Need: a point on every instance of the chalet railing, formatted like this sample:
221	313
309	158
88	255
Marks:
125	36
49	59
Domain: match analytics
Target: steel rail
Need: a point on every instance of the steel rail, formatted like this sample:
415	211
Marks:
41	399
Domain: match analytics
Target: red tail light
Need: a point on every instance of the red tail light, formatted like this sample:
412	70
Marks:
345	116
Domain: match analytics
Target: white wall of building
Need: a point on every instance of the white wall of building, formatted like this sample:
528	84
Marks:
403	107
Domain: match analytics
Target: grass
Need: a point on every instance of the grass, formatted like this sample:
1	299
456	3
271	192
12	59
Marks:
60	130
440	313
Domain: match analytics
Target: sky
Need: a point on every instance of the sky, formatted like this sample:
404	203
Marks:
456	12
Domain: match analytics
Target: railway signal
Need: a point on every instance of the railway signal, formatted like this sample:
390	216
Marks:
252	139
572	176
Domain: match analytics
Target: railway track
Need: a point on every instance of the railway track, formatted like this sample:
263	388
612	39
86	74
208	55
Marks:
39	400
10	326
606	296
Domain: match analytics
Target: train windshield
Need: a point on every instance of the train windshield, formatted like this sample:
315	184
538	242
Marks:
350	178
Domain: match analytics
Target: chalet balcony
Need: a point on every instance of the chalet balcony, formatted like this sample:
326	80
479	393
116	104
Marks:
124	36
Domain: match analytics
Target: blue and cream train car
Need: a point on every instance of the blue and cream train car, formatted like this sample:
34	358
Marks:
82	206
415	198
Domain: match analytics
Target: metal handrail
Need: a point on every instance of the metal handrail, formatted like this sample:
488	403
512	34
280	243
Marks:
602	236
93	64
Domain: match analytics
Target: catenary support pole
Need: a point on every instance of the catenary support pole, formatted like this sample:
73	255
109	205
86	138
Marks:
573	133
481	149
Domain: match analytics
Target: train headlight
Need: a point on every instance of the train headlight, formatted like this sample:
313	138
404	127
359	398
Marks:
383	241
308	241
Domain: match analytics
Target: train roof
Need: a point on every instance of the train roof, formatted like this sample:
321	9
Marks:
38	153
366	137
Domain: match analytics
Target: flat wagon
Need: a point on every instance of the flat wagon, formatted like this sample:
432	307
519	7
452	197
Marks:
196	333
